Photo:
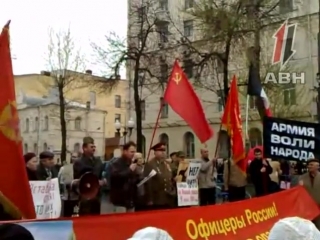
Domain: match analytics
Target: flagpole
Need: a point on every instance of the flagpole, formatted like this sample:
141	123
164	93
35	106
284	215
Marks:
247	117
218	140
154	130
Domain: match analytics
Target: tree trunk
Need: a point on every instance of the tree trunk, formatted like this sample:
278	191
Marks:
137	105
63	125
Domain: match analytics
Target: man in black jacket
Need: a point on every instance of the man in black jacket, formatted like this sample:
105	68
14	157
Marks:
89	163
123	180
259	170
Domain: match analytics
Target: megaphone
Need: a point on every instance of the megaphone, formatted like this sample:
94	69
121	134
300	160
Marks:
88	187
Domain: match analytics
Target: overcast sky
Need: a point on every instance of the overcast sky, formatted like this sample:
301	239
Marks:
89	21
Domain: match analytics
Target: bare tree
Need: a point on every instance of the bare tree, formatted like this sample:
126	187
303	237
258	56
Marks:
65	65
142	52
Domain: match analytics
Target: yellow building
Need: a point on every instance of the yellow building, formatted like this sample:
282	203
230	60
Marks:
112	102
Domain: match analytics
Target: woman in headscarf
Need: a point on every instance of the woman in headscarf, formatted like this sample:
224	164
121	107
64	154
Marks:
31	166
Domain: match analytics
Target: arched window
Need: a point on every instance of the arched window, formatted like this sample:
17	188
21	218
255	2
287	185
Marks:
143	145
76	148
36	124
255	137
93	98
45	147
77	123
163	138
27	124
35	148
223	144
46	123
189	147
25	148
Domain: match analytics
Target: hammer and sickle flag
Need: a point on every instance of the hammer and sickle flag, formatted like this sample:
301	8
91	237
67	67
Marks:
182	98
14	184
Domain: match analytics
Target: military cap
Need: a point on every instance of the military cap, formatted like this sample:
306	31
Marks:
46	154
312	160
180	154
159	146
87	140
11	231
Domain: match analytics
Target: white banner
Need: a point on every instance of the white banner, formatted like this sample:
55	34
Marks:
46	198
188	194
193	173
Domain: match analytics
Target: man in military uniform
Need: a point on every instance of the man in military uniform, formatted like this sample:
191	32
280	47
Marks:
159	190
89	163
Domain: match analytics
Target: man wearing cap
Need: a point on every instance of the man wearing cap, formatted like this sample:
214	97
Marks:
46	170
311	182
89	163
159	190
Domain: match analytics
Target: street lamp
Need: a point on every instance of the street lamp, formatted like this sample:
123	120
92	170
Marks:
127	130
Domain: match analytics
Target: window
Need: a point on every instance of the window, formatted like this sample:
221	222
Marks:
252	102
188	28
117	103
164	72
285	6
117	117
27	124
163	138
188	4
219	65
163	4
45	147
163	31
46	123
143	109
92	98
36	124
141	14
25	148
223	144
35	148
255	137
189	147
77	123
220	95
76	148
289	95
164	109
188	67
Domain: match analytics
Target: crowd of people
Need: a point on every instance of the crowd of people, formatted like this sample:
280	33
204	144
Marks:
119	178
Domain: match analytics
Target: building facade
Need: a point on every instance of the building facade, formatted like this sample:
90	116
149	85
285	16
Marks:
174	24
41	130
113	102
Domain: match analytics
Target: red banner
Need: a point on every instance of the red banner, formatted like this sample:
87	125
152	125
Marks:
245	220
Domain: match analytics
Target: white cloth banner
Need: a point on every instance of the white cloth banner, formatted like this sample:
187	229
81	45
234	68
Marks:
188	195
46	198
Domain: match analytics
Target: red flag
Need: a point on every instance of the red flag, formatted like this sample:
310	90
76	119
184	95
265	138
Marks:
183	100
14	182
231	120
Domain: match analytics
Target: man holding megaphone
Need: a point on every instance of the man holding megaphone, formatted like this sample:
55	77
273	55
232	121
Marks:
87	174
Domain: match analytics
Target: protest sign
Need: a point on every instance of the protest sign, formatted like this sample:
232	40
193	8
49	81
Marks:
291	140
248	219
188	194
187	183
46	198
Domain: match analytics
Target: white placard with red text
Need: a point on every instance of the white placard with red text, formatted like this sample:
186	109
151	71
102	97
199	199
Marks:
188	194
46	198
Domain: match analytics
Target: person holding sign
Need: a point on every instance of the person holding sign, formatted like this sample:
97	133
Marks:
159	190
234	181
207	179
311	182
260	170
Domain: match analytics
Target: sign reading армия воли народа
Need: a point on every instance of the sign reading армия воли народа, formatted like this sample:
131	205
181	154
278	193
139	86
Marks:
290	140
